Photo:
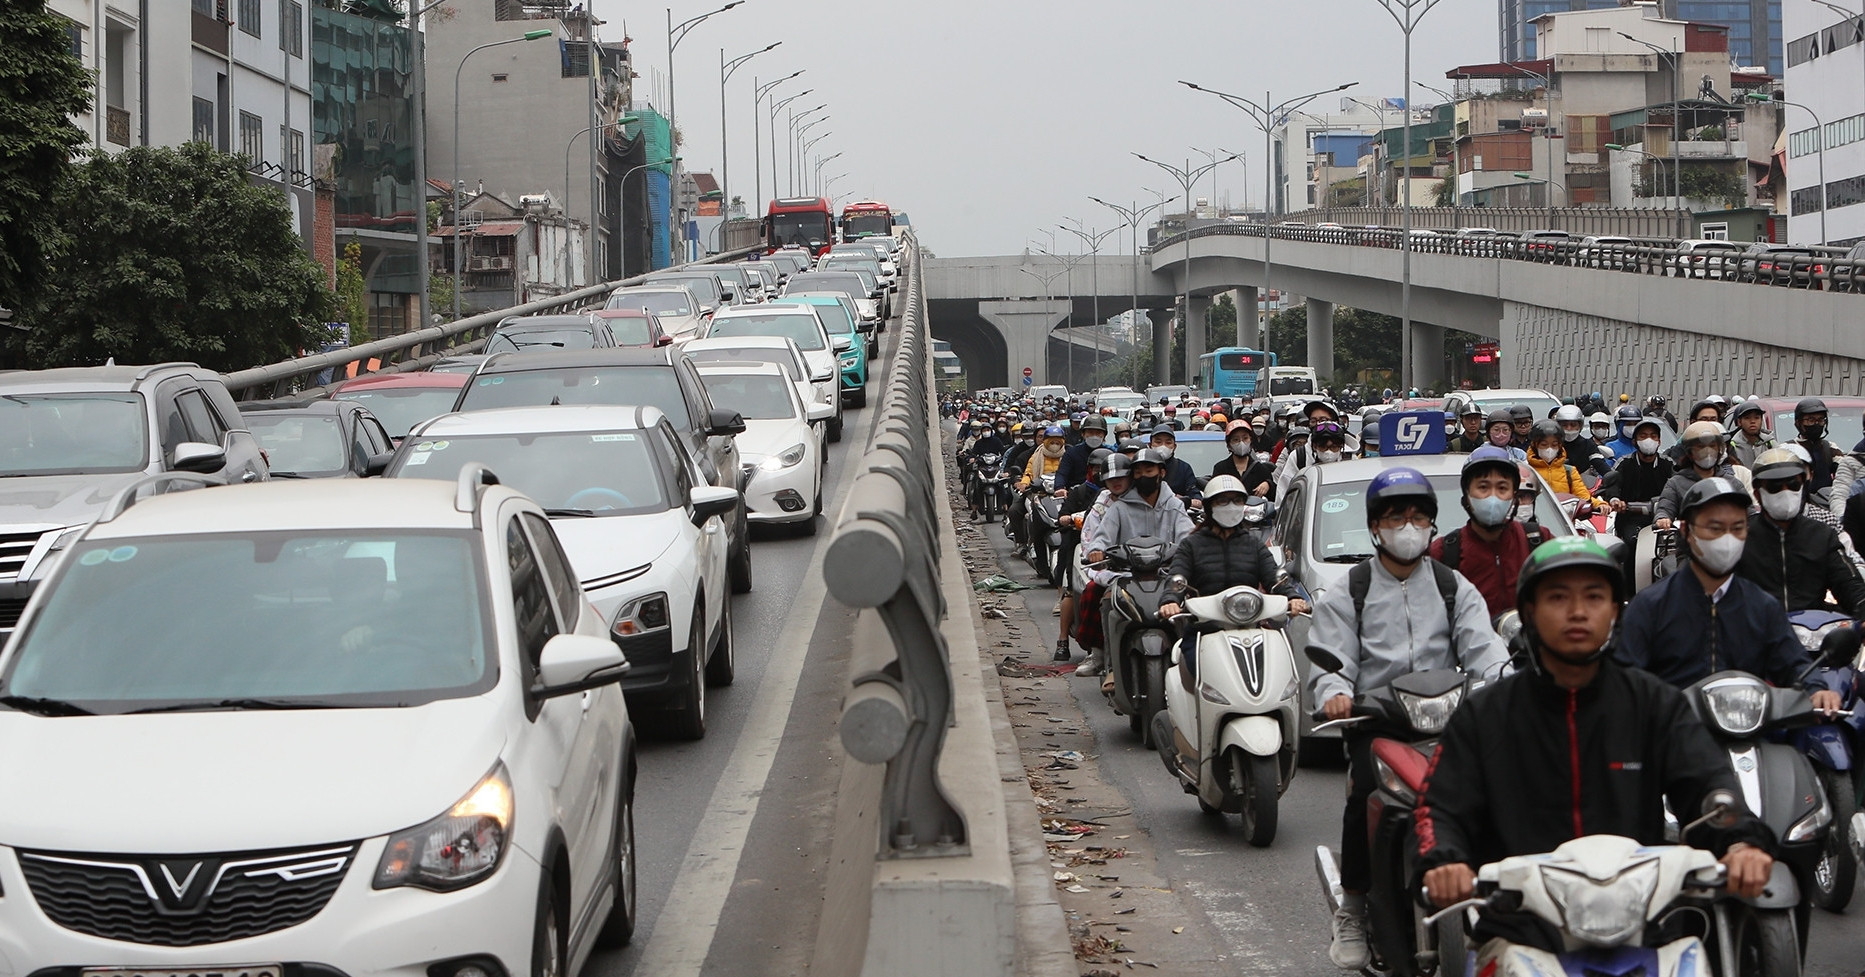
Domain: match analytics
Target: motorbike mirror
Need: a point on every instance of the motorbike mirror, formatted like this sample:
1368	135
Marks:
1324	659
1719	811
1840	645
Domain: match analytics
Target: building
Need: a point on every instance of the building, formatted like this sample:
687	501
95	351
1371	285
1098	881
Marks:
1825	67
1517	23
1754	26
1311	148
514	252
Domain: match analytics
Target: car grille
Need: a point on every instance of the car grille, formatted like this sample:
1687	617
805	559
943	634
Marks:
10	610
188	900
14	548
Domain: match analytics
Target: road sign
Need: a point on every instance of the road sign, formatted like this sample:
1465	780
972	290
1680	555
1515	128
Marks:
1028	373
1412	432
1027	380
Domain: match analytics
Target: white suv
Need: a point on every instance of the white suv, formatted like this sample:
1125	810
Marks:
316	728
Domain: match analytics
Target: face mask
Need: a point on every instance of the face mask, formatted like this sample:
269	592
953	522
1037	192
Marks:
1648	446
1547	454
1719	555
1501	438
1146	486
1573	435
1167	451
1093	441
1813	432
1262	456
1780	505
1227	516
1706	457
1524	508
1406	543
1054	450
1627	432
1326	457
1601	433
1240	449
1491	510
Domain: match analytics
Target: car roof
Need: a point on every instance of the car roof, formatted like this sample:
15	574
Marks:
559	359
1362	469
317	505
762	308
522	322
730	342
657	286
100	378
558	418
727	368
310	407
389	381
621	314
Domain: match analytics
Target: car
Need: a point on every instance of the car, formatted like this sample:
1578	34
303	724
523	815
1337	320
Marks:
660	378
846	282
781	455
364	718
627	501
1056	390
867	328
679	310
319	438
838	316
1608	251
794	259
465	363
779	350
1320	527
1703	258
1549	246
1848	270
535	333
1171	392
635	329
71	439
705	285
882	268
884	302
1122	399
1781	264
399	401
764	278
801	325
1541	402
739	289
1200	449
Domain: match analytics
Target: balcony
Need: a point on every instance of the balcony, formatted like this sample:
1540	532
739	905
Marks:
117	125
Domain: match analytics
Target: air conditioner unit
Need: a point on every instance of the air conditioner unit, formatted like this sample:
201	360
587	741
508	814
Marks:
499	262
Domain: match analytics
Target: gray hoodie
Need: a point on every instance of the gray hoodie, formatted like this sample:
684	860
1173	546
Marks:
1129	517
1404	630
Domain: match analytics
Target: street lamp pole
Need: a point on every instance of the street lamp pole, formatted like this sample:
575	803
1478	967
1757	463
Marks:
1617	148
1092	241
826	160
1407	14
526	36
796	141
1132	216
804	155
566	197
757	149
1188	176
1456	154
777	105
1677	131
1379	110
1818	127
1068	323
726	70
675	34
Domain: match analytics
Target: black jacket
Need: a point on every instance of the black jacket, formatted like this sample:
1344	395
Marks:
1799	565
989	444
1210	563
1466	444
1672	630
1252	474
1181	479
1634	480
1504	780
1072	470
1017	459
1080	498
1585	455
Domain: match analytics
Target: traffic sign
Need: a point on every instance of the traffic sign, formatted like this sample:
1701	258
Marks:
1028	373
1411	432
1027	380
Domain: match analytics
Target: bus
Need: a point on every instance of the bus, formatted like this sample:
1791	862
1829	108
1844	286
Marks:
1286	381
1232	371
800	222
866	218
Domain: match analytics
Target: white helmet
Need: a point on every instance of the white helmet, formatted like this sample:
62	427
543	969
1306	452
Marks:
1599	417
1569	412
1224	484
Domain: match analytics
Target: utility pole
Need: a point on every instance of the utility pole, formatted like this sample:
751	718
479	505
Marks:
1131	216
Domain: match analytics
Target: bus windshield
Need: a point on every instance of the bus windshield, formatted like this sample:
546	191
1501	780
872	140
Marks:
865	225
809	230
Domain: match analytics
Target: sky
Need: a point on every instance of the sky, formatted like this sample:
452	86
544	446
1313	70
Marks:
990	122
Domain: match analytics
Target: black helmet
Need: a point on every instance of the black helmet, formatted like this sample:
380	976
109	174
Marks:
1749	407
1566	552
1498	416
1520	412
1545	429
1808	405
1656	400
1709	490
1097	459
1094	422
1119	466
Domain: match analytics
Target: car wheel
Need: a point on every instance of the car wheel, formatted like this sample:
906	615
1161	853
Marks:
739	566
547	938
722	665
861	397
689	722
835	427
619	929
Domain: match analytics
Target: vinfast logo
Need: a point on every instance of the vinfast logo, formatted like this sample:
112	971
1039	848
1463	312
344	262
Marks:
1418	432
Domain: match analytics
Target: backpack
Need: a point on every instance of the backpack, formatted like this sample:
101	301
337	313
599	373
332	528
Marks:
1360	580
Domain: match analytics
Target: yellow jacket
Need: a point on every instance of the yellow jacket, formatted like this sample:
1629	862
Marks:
1040	465
1561	476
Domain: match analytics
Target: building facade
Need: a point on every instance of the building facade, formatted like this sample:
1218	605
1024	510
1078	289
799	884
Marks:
1755	27
1826	76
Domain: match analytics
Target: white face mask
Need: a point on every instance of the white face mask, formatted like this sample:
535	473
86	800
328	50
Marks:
1227	515
1326	457
1570	434
1406	543
1548	454
1780	505
1719	555
1706	457
1491	511
1602	434
1166	452
1093	441
1240	449
1648	446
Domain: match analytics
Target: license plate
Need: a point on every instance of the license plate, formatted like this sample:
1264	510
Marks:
222	970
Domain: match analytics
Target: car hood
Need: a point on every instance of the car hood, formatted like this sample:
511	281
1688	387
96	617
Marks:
238	781
762	439
604	546
64	500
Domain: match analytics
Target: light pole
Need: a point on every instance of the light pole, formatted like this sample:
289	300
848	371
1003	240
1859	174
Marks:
1131	217
1835	8
1092	241
777	105
757	150
1407	14
1615	147
1187	176
1068	323
621	214
726	70
1818	127
1547	193
1677	124
1380	110
592	204
1456	152
804	155
1267	118
796	139
826	160
526	36
675	34
826	184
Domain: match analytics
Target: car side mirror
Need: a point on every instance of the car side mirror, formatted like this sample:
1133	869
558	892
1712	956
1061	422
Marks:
708	501
820	412
199	457
572	663
706	311
725	423
663	341
378	463
823	377
843	344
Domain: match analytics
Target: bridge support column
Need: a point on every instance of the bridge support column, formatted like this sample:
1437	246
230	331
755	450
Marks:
1196	338
1164	321
1427	354
1321	339
1025	324
1249	331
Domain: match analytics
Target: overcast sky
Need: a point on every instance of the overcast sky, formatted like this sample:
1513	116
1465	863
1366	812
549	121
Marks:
988	121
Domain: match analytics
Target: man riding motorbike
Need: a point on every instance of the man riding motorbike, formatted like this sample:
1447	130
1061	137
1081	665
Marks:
1116	481
1523	419
1178	472
1074	467
1793	557
1625	444
1076	502
1810	422
1219	555
1148	508
1582	453
1638	477
1705	456
1489	549
1749	440
1654	407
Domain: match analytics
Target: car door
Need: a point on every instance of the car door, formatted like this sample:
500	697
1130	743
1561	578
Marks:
717	452
710	541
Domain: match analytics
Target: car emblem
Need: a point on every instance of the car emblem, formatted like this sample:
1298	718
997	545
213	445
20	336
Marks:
180	892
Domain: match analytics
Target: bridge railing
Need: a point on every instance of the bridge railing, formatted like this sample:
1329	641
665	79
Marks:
1818	268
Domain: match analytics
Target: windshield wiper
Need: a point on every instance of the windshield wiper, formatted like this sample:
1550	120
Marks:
1347	558
279	474
581	513
41	706
208	706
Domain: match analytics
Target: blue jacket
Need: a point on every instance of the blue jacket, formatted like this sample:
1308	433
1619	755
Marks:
1181	479
1622	448
1673	631
1072	470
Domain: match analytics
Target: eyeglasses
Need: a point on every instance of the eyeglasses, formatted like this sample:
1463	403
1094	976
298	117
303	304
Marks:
1783	485
1393	520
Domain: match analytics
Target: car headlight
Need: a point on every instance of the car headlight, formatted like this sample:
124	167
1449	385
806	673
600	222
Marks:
1243	607
1605	913
456	849
789	458
1428	714
1816	821
640	616
1392	782
1737	705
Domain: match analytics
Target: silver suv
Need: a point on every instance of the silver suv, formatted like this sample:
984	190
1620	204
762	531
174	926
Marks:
71	439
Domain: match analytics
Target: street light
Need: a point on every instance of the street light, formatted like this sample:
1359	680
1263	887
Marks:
776	105
1407	14
1818	127
757	149
1187	176
826	160
526	36
621	215
592	204
1131	217
1677	121
1548	88
796	138
1380	110
1092	241
1617	148
675	34
726	70
1068	321
1456	151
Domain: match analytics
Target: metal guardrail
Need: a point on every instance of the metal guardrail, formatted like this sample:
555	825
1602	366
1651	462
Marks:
414	349
885	555
1636	222
1823	269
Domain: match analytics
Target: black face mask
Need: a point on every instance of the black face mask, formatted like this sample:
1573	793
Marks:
1813	432
1147	485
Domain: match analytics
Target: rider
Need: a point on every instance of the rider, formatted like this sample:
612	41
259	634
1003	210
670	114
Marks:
1149	508
1705	455
1638	477
1076	501
1044	461
1218	556
1380	628
1810	421
1116	482
1749	440
994	441
1074	467
1472	436
1582	453
1654	407
1178	472
1490	548
1523	418
1593	748
1549	459
1795	558
1240	463
1499	428
1626	444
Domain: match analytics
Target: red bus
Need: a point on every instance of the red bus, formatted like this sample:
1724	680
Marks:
800	222
866	218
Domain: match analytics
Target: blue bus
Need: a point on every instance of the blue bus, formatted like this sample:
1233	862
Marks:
1231	371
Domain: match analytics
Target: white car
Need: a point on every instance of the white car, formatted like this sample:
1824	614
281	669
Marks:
679	311
625	498
799	324
781	455
371	724
771	349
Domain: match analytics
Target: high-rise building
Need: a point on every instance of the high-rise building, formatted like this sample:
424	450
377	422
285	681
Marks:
1754	25
1825	164
1517	22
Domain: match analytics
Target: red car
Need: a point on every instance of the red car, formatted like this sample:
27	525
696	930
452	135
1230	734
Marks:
635	328
402	400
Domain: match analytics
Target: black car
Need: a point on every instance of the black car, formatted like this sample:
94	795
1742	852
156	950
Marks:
318	438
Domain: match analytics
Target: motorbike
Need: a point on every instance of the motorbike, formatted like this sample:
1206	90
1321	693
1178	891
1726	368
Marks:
1229	732
1259	517
1138	639
988	482
1405	719
1831	748
1658	553
1045	531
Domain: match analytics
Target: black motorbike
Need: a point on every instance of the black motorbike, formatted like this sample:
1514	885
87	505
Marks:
1139	641
988	484
1046	549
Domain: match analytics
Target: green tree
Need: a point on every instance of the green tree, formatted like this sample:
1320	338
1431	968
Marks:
173	254
1221	323
353	293
42	84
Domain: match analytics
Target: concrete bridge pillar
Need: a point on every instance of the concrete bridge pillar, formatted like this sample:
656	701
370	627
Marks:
1321	338
1025	325
1427	354
1164	321
1249	331
1196	339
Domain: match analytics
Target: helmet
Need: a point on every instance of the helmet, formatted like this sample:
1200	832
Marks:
1165	429
1568	412
1520	412
1545	429
1808	405
1016	428
1238	425
1628	415
1148	456
1647	422
1750	407
1487	457
1221	485
1703	431
1697	408
1498	416
1709	490
1055	431
1094	422
1132	446
1310	407
1778	464
1097	459
1107	412
1656	400
1219	419
1566	552
1800	451
1471	409
1289	410
1297	431
1625	398
1528	481
1118	466
1396	487
1599	417
1329	429
1718	399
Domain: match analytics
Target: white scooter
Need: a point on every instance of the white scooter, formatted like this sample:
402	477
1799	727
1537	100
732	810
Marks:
1228	732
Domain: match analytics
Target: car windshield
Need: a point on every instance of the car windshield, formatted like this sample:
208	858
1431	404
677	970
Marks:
630	330
866	224
1290	386
1119	401
401	408
747	354
1341	536
519	340
72	434
849	283
300	444
599	473
834	315
756	396
352	619
703	287
801	329
655	386
659	303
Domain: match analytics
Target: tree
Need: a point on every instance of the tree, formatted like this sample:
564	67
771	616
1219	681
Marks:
173	254
353	293
1362	341
1221	323
42	84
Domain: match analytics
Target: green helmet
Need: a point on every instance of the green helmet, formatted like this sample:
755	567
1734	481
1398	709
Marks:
1562	553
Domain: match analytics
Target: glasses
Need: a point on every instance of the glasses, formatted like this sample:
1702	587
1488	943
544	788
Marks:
1394	520
1783	485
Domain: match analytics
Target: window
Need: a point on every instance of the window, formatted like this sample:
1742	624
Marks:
293	142
203	121
252	138
563	583
203	425
575	55
291	28
204	7
249	17
1805	201
1845	193
76	32
537	623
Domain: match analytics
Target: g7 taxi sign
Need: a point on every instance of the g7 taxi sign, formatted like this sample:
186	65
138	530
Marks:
1413	432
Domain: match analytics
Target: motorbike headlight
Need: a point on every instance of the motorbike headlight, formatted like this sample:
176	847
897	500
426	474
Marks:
1392	782
1812	639
1428	714
1209	693
1243	607
458	848
640	616
1607	913
788	458
1817	820
1737	705
1147	555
